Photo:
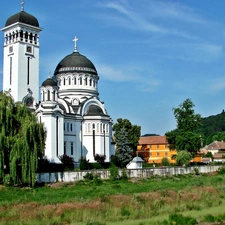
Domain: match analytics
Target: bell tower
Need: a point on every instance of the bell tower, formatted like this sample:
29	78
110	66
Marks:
21	57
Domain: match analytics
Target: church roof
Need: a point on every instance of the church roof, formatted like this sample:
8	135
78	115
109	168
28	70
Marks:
22	17
94	110
49	82
75	62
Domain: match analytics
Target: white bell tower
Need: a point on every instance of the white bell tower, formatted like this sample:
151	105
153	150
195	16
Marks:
21	57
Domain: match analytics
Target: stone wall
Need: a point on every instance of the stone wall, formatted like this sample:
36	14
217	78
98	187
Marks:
131	173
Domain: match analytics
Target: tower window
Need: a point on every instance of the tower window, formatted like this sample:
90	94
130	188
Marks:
10	71
80	80
10	49
48	97
85	81
29	49
75	80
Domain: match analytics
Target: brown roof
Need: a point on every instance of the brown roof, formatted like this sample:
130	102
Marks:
152	140
218	156
216	145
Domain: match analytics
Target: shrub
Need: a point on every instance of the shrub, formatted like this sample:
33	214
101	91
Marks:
196	170
221	170
7	180
209	218
114	172
84	164
165	161
100	158
67	160
88	176
182	220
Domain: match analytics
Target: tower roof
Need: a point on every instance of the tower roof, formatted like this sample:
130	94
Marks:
49	82
22	17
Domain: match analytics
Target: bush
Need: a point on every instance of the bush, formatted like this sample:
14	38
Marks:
165	161
179	219
7	180
221	170
114	172
88	176
100	158
84	164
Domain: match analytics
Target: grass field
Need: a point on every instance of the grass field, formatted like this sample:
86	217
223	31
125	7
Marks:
133	202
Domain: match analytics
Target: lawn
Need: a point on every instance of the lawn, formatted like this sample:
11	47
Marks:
122	202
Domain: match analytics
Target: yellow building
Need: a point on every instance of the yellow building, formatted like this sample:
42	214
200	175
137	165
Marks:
154	148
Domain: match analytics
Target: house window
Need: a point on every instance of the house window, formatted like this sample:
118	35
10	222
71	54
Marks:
158	154
150	154
157	146
166	154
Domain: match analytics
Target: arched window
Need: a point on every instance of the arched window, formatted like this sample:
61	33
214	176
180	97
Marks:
89	127
71	127
97	127
48	95
53	94
80	80
75	80
69	80
90	82
85	81
64	81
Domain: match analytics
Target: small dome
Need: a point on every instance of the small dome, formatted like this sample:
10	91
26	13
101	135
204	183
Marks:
94	110
75	62
49	82
22	17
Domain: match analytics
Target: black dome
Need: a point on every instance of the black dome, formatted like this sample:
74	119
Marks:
75	62
49	82
22	17
94	110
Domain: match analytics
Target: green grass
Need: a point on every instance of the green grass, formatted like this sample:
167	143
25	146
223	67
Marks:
147	201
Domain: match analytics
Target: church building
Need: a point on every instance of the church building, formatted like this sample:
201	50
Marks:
76	121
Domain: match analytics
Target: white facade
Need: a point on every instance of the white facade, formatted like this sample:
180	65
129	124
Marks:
76	121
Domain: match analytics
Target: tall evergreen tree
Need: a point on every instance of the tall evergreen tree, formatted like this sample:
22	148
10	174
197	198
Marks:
185	136
133	132
22	141
123	149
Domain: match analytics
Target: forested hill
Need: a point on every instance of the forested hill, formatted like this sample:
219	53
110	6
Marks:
213	128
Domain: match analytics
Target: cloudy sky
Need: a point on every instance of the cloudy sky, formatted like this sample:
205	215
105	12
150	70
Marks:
150	55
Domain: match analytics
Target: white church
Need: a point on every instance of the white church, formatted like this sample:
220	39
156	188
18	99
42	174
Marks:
75	119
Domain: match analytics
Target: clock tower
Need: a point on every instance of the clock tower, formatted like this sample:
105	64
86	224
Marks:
21	57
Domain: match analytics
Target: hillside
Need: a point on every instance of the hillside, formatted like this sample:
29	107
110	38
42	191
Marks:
213	128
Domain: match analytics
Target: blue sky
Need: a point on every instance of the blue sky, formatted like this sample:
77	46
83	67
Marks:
150	55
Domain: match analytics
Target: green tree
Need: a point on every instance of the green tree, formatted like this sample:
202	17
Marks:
22	141
185	136
133	132
183	157
123	149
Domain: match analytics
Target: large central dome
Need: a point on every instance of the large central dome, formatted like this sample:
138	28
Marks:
75	62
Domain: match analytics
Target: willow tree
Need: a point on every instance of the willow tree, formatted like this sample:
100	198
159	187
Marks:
22	141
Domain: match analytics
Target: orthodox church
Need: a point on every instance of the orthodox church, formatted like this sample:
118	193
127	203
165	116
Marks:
76	121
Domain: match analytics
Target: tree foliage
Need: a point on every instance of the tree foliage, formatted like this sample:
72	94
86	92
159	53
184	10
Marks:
185	136
22	141
123	149
133	132
183	157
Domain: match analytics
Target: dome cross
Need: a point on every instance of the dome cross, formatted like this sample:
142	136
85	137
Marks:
75	43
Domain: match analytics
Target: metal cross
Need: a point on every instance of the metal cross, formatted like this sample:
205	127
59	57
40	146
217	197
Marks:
22	5
75	43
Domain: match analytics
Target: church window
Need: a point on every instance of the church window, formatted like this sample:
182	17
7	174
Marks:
89	127
10	71
64	81
90	81
43	96
107	128
71	148
93	134
57	135
80	80
53	94
64	147
71	127
97	127
29	49
48	95
85	81
101	128
26	36
69	81
67	126
28	70
94	83
85	127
